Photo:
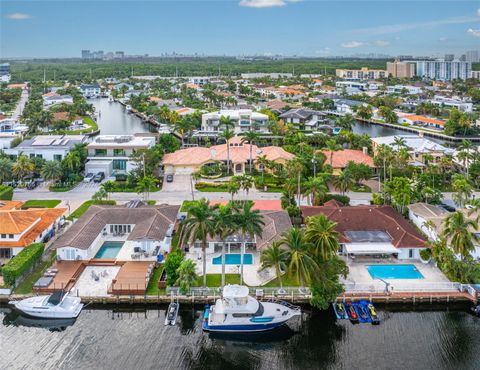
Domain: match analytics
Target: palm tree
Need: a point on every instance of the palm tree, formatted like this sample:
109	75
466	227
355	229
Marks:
5	169
99	195
72	160
23	166
301	264
460	231
224	227
52	170
187	276
108	187
183	126
317	188
345	122
145	185
199	226
263	162
464	156
250	223
462	190
320	232
246	182
227	122
332	146
399	142
277	257
344	181
233	186
227	134
251	137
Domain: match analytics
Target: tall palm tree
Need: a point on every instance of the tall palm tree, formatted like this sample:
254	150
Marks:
52	170
460	232
145	185
183	126
277	257
317	188
332	146
227	134
233	186
321	233
246	183
344	181
5	169
199	226
224	227
399	142
250	223
251	137
186	276
108	187
23	166
301	264
264	163
72	160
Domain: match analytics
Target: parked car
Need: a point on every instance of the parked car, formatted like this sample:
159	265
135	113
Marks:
88	177
169	178
32	184
447	207
99	177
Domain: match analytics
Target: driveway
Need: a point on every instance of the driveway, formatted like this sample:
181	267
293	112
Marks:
180	183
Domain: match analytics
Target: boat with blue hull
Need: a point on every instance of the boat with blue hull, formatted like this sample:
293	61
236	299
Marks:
340	311
238	312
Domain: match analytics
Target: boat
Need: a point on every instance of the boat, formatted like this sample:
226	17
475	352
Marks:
128	108
110	99
340	311
362	312
476	310
58	305
172	313
351	312
336	130
238	312
373	314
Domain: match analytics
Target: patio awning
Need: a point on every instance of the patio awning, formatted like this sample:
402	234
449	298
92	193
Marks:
370	248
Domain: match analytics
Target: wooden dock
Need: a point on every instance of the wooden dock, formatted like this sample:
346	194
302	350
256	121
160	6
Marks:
132	279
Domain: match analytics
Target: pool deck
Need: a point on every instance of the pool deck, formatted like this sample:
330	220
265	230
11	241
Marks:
66	277
132	278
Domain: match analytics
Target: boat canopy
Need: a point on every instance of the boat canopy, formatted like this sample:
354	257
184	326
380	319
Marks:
235	291
56	298
370	248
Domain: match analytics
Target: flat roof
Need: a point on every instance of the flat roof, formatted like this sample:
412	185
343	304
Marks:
368	236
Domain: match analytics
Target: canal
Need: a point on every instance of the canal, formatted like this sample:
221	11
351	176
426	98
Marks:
113	119
136	338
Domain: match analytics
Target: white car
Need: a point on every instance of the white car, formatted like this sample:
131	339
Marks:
88	177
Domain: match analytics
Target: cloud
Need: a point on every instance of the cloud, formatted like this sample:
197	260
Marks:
473	32
478	12
442	39
19	16
381	43
394	28
324	51
266	3
352	44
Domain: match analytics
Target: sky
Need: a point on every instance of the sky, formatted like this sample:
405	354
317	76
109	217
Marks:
322	28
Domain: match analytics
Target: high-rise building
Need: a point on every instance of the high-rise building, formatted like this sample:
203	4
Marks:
443	70
86	54
119	54
449	57
400	69
472	56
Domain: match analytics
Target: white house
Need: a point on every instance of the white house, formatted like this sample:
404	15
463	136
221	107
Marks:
461	105
243	120
57	99
200	81
90	90
305	118
111	153
398	89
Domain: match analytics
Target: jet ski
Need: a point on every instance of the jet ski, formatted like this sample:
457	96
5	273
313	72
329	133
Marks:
172	312
352	314
373	314
362	312
476	310
339	310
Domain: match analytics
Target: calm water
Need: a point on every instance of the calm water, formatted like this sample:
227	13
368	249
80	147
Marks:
113	118
128	339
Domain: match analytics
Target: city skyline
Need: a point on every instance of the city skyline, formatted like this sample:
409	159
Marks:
246	27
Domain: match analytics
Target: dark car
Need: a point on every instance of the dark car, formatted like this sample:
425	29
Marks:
447	207
32	184
169	178
99	177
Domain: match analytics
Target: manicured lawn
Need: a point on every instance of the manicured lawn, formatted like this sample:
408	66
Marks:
186	204
151	202
41	203
152	288
361	189
286	281
215	280
27	285
85	206
212	189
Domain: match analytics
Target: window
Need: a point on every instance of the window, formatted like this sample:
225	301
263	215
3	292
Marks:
6	253
10	236
410	253
100	152
57	157
120	164
119	153
4	236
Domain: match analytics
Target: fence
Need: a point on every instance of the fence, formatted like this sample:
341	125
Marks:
253	291
417	287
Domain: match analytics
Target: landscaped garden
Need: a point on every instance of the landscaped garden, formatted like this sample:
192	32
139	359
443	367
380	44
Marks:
41	203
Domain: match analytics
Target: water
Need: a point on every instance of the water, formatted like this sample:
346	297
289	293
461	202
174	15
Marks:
113	119
394	272
109	250
136	338
234	259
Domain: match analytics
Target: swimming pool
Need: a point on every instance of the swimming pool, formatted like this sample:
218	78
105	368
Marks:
109	250
234	259
394	272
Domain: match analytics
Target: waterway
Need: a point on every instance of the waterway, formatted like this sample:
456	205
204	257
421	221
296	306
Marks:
112	118
136	338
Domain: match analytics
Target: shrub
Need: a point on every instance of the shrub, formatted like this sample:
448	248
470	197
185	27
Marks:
339	198
6	192
293	211
425	254
173	262
22	262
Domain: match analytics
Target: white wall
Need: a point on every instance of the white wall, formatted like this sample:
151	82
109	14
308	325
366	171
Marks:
419	222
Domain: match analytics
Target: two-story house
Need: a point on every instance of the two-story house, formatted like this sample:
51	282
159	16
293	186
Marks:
90	90
305	119
242	119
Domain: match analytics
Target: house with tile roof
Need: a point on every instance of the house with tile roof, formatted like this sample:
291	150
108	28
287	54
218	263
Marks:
21	227
371	230
339	159
189	160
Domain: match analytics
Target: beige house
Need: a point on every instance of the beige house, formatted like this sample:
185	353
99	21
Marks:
189	160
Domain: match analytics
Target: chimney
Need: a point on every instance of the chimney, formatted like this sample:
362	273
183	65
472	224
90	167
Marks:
365	150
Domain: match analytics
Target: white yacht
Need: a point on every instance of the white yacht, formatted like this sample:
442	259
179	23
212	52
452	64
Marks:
237	312
110	99
58	305
128	108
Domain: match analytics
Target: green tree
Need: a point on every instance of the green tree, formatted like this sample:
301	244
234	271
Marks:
251	137
227	134
145	186
52	170
344	181
277	257
108	187
321	234
5	169
462	190
23	167
332	147
172	264
233	186
187	276
461	233
301	264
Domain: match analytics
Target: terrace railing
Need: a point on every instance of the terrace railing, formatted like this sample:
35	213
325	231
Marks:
261	292
380	287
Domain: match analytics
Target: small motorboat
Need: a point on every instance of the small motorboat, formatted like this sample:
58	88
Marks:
58	305
476	310
373	314
352	314
340	311
336	130
172	313
128	108
110	99
362	311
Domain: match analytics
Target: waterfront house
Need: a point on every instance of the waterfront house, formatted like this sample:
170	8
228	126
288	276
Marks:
90	90
399	89
57	99
135	227
51	147
111	154
347	105
371	230
189	160
123	85
461	105
243	120
21	227
305	119
422	121
339	159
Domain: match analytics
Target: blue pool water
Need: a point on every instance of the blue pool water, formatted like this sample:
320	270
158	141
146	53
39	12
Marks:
233	259
394	272
109	250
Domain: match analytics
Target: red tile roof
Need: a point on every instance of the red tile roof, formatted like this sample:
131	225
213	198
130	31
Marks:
369	218
261	205
342	157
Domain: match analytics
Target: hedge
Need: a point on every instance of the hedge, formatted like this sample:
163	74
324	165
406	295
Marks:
6	192
22	262
340	198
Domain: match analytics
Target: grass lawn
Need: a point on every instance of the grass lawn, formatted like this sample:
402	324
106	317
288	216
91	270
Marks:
212	189
41	203
361	188
215	280
85	206
152	288
286	281
273	189
27	285
151	202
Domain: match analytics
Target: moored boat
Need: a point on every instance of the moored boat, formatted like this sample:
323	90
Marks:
373	313
172	313
238	312
352	314
340	311
58	305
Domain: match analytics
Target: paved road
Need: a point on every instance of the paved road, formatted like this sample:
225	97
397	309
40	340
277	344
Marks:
20	105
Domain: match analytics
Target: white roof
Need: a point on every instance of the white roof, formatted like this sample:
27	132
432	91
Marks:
235	291
235	114
370	248
414	142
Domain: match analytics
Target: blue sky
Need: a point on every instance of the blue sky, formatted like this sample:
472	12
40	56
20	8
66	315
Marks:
238	27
